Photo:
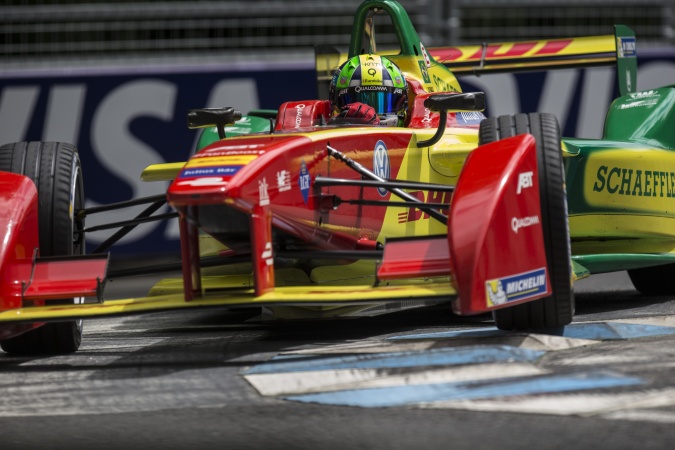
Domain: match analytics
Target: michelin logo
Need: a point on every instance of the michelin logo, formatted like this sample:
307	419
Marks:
495	292
516	287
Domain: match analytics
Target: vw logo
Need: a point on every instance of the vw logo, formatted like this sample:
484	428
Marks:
381	165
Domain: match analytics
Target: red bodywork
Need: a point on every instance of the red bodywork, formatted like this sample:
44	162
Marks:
495	227
294	206
258	193
27	279
251	191
19	228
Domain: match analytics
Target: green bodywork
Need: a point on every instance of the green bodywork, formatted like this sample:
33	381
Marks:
621	188
642	127
256	121
626	59
646	117
363	35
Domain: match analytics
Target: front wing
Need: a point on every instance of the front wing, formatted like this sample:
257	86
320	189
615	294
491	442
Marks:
305	296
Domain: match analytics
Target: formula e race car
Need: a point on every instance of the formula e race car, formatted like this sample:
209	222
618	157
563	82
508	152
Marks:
309	219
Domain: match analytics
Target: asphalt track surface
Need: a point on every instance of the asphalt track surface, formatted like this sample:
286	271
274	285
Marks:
412	380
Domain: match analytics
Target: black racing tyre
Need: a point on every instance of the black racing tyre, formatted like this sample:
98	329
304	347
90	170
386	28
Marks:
654	280
557	310
55	169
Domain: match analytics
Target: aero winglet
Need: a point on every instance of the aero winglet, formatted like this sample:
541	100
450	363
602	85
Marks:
162	172
426	256
58	277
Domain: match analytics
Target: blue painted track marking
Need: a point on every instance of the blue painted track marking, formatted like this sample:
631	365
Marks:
416	394
434	357
616	330
503	384
593	331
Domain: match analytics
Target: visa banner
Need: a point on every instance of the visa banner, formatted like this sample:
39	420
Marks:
124	119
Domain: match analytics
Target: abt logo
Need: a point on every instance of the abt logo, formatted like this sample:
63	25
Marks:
524	181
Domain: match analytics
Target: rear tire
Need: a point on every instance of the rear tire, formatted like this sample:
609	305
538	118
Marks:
55	169
654	280
557	310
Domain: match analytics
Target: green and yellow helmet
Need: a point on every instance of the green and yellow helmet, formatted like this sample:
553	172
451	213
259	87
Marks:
370	79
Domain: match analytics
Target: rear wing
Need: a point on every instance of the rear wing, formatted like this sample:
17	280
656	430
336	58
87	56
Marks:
547	54
618	50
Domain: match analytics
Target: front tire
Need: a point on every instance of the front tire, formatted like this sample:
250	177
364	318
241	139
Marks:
55	169
557	310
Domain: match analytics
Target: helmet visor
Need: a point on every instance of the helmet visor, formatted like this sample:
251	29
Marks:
390	101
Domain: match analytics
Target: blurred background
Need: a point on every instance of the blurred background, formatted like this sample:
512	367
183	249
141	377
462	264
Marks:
36	31
117	77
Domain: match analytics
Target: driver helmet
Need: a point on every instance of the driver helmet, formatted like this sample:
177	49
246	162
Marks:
375	81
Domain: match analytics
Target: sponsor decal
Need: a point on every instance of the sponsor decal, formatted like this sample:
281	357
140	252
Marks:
267	254
232	150
304	181
495	292
373	72
423	69
644	98
645	94
469	118
358	89
442	85
516	49
523	222
209	171
205	181
639	103
413	214
634	182
228	160
515	287
626	46
629	83
524	181
427	115
427	61
283	180
381	165
298	114
262	191
645	183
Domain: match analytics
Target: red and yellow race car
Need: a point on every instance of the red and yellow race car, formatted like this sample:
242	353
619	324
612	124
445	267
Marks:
309	216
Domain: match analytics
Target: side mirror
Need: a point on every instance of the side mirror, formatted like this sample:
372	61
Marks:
442	103
212	117
468	101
